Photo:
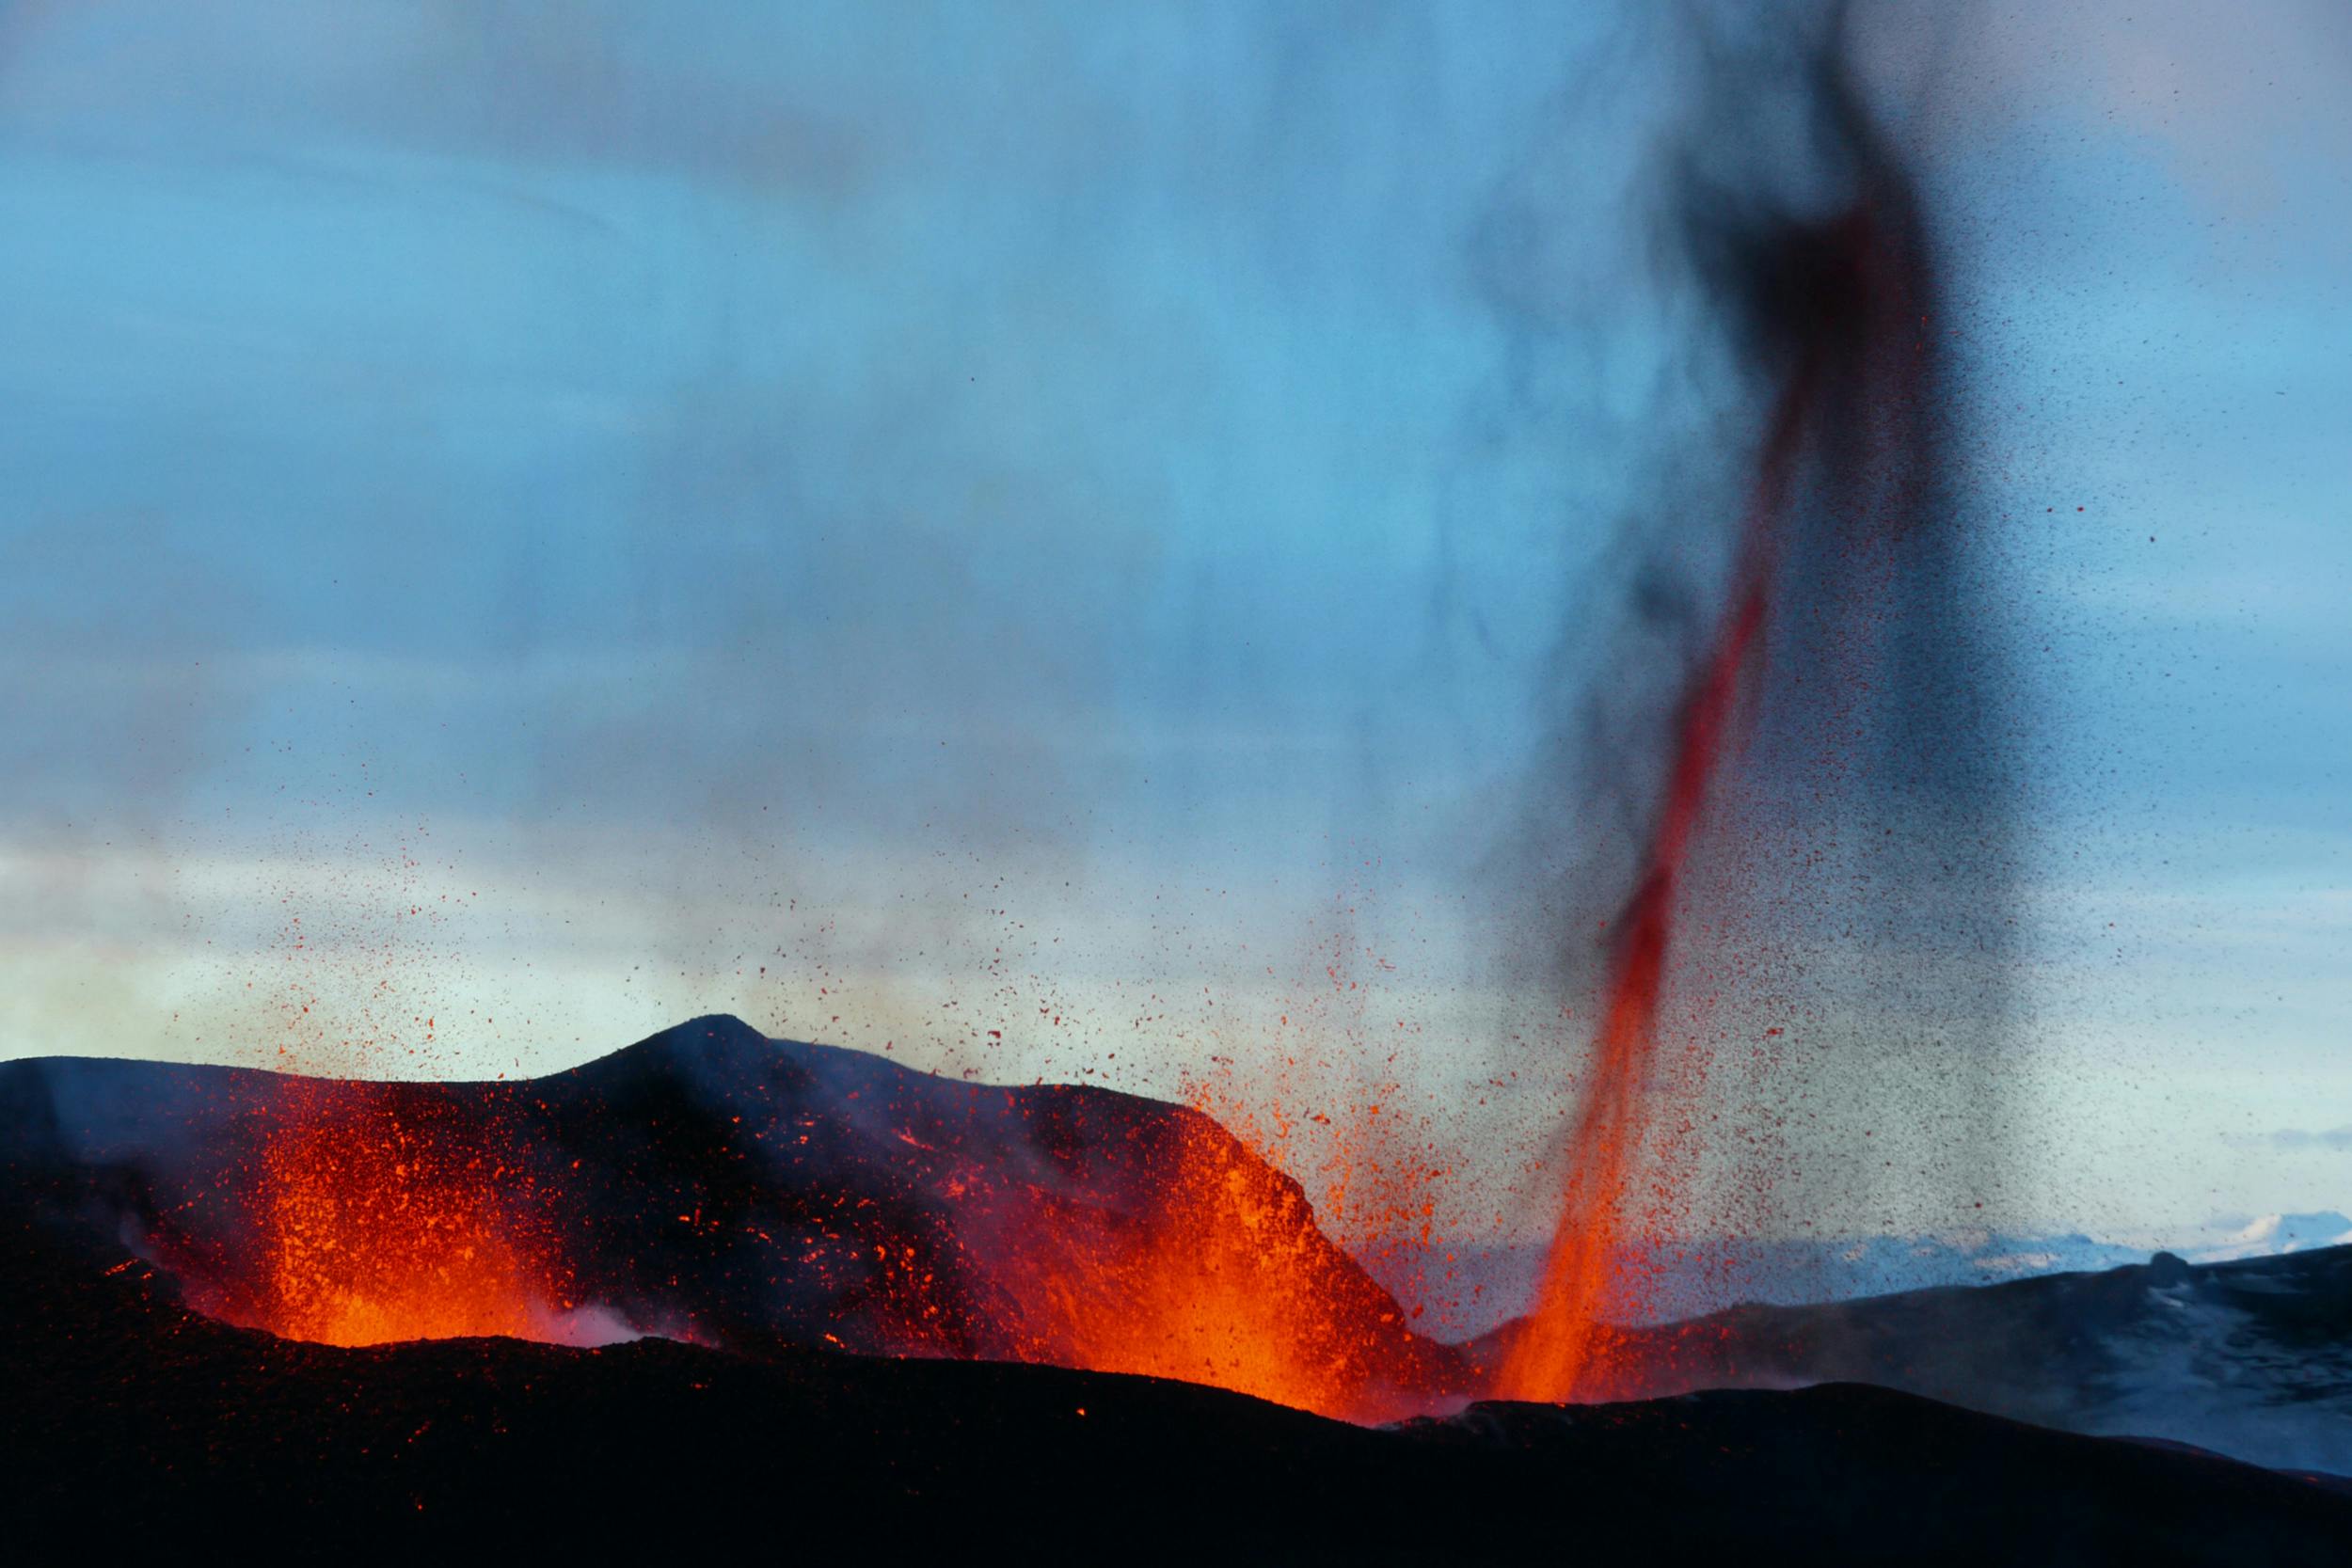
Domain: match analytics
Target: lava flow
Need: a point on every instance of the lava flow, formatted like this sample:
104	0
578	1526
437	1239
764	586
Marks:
743	1192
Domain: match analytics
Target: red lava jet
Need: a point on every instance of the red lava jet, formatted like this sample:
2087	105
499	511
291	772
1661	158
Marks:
1549	1357
1836	313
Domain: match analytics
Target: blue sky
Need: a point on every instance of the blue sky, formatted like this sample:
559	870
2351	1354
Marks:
907	523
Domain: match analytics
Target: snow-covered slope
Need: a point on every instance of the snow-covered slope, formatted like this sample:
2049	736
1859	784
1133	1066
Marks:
2271	1235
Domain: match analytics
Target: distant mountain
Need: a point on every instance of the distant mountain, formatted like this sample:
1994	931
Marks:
2274	1234
1691	1278
2250	1357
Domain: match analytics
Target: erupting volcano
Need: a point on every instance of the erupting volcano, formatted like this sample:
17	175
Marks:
716	1186
1331	723
848	1264
703	1188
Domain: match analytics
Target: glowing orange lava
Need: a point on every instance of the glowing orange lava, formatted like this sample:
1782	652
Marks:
372	1225
1228	1281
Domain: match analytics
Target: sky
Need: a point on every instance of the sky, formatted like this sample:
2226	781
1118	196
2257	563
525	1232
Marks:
1036	539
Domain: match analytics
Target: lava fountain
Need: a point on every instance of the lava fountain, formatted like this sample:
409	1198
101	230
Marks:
1835	314
370	1214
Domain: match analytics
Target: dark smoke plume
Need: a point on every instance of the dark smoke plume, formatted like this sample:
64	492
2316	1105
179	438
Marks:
1787	811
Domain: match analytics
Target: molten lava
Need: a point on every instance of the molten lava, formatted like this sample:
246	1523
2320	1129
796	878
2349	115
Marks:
1224	1279
373	1222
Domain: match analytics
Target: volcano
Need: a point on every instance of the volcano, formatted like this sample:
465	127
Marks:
720	1281
713	1185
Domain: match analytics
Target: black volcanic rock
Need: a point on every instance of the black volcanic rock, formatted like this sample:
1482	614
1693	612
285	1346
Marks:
133	1420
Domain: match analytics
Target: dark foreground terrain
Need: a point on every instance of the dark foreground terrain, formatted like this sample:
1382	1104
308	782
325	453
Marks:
134	1424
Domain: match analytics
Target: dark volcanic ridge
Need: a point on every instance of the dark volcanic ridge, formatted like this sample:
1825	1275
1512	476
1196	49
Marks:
132	1417
714	1185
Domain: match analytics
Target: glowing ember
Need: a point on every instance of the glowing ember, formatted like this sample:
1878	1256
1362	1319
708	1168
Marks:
372	1223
